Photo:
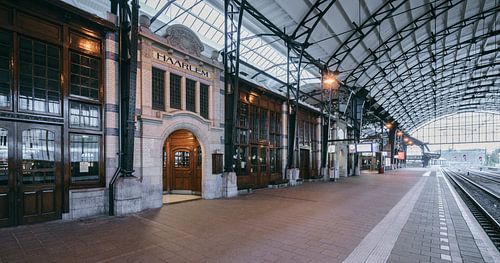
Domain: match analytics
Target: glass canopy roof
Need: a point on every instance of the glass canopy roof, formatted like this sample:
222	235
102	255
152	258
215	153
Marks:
208	22
417	60
413	60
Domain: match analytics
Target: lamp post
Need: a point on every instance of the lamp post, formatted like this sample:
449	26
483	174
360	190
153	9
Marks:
328	81
399	141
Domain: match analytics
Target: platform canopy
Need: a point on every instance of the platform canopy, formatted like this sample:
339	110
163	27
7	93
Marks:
413	60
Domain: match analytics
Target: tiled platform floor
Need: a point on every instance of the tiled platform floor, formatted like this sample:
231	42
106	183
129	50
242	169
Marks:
315	222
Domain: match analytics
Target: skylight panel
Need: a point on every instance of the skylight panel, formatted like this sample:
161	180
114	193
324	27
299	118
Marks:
194	23
199	10
173	11
208	22
188	2
155	3
258	60
219	22
203	29
182	19
210	32
252	44
251	56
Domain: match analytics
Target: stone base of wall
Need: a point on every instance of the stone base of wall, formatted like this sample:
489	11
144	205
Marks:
333	174
325	174
152	196
87	203
128	196
230	186
293	177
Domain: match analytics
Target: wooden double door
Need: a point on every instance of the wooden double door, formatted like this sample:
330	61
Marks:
259	170
30	173
182	164
304	166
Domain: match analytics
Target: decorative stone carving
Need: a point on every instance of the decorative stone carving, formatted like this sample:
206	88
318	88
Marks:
215	55
144	21
182	37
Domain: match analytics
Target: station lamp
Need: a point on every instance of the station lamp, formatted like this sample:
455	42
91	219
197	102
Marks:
330	77
406	139
400	133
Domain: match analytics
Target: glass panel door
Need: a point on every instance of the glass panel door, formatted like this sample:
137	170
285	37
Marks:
182	168
254	164
6	183
38	173
38	160
263	170
4	157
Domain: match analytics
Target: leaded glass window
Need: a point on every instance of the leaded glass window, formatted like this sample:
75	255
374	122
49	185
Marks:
190	95
264	124
5	78
204	100
158	91
175	91
84	115
84	155
243	115
263	160
181	159
39	76
84	75
254	123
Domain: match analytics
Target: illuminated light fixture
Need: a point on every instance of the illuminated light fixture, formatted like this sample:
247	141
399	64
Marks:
400	133
406	139
410	143
251	97
329	80
388	125
88	45
330	77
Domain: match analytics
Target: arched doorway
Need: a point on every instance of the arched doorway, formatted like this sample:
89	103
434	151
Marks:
182	163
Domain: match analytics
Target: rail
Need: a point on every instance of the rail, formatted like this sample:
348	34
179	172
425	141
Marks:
484	189
490	225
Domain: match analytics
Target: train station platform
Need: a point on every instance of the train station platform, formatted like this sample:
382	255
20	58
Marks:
407	215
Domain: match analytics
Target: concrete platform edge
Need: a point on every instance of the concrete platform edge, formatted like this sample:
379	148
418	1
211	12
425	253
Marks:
483	242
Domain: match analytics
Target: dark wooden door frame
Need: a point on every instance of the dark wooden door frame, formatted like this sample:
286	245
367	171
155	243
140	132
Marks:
189	169
8	191
306	161
15	188
263	177
168	171
41	190
258	177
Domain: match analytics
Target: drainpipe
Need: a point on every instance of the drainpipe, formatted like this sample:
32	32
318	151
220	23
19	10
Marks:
126	90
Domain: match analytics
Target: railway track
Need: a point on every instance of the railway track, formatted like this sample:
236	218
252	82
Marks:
483	203
486	175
